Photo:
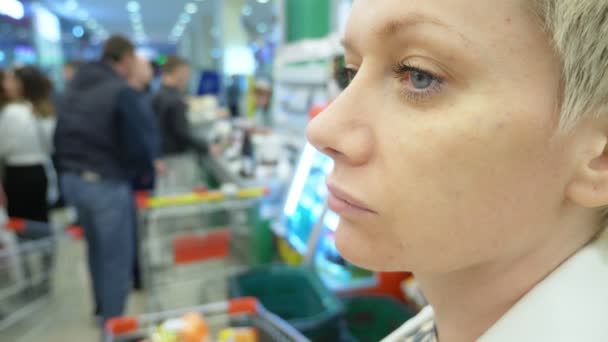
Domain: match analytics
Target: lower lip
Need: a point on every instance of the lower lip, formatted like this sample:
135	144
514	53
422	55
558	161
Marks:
341	207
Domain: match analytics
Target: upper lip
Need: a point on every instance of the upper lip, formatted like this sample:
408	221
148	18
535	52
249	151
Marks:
337	192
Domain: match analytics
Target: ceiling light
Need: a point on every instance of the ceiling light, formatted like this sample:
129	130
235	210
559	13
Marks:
133	6
13	9
191	8
262	1
184	18
262	28
78	31
71	5
247	10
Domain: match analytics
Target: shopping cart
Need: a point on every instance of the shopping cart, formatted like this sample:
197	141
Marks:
190	243
26	265
182	173
241	312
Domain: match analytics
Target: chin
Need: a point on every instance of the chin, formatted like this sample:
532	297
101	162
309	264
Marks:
360	248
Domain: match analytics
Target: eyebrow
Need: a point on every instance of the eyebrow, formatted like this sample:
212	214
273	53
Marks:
394	26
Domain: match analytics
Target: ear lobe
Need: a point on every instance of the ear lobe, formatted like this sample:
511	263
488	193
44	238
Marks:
589	186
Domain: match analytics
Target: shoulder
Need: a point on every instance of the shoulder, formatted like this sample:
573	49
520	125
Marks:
16	111
576	296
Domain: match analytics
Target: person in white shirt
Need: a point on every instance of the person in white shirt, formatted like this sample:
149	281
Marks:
471	147
26	130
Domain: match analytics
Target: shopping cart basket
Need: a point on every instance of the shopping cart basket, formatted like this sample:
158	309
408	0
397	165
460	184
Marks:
241	312
185	255
26	265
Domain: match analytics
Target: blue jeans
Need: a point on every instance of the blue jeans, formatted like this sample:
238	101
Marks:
105	210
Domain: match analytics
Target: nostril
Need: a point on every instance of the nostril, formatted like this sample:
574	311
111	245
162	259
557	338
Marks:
332	153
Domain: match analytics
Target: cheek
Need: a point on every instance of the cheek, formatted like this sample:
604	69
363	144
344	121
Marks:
466	187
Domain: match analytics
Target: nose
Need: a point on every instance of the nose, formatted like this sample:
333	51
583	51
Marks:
343	130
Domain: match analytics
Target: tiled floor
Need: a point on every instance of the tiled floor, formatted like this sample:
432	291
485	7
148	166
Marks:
67	314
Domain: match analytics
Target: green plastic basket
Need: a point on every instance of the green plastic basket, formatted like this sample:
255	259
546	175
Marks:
296	295
372	318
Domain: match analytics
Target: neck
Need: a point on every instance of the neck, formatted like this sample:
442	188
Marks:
117	69
169	82
469	301
137	85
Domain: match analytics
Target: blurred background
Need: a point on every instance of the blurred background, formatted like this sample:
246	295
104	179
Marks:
154	164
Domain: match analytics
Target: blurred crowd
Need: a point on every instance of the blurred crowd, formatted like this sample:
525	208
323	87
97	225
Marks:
91	146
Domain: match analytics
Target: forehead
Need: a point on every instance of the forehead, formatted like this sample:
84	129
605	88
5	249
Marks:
488	21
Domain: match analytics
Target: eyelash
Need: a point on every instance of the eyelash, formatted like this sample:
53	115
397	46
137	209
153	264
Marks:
399	70
402	68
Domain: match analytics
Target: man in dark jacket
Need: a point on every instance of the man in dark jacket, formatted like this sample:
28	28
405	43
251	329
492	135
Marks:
100	145
171	108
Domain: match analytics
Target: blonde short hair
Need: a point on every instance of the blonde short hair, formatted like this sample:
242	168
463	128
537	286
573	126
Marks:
579	30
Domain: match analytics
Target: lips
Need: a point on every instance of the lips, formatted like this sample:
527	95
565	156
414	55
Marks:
344	204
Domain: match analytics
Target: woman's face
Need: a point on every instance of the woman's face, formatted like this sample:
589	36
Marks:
12	86
445	142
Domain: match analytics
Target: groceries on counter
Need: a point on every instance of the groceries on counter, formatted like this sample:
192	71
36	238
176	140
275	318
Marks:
193	327
204	109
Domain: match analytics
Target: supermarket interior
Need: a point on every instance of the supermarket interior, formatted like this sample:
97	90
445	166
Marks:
226	219
303	170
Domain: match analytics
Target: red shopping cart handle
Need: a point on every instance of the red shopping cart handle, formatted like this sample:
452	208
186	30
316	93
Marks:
141	199
75	232
16	224
122	325
244	305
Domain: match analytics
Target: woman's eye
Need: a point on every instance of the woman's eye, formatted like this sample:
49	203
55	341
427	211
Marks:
417	84
345	76
421	80
350	74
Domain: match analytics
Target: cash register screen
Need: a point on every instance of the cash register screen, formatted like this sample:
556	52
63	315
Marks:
306	198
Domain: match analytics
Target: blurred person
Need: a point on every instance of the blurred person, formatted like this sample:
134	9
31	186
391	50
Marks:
263	96
26	129
139	80
69	70
101	144
470	147
233	97
171	107
3	95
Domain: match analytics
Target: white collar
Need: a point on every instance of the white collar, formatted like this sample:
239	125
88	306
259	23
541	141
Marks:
571	304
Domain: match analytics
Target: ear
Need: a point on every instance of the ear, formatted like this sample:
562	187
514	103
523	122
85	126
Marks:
589	184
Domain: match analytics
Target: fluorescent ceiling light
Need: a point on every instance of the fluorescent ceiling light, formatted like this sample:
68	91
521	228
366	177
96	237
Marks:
71	5
247	10
191	8
133	6
12	8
